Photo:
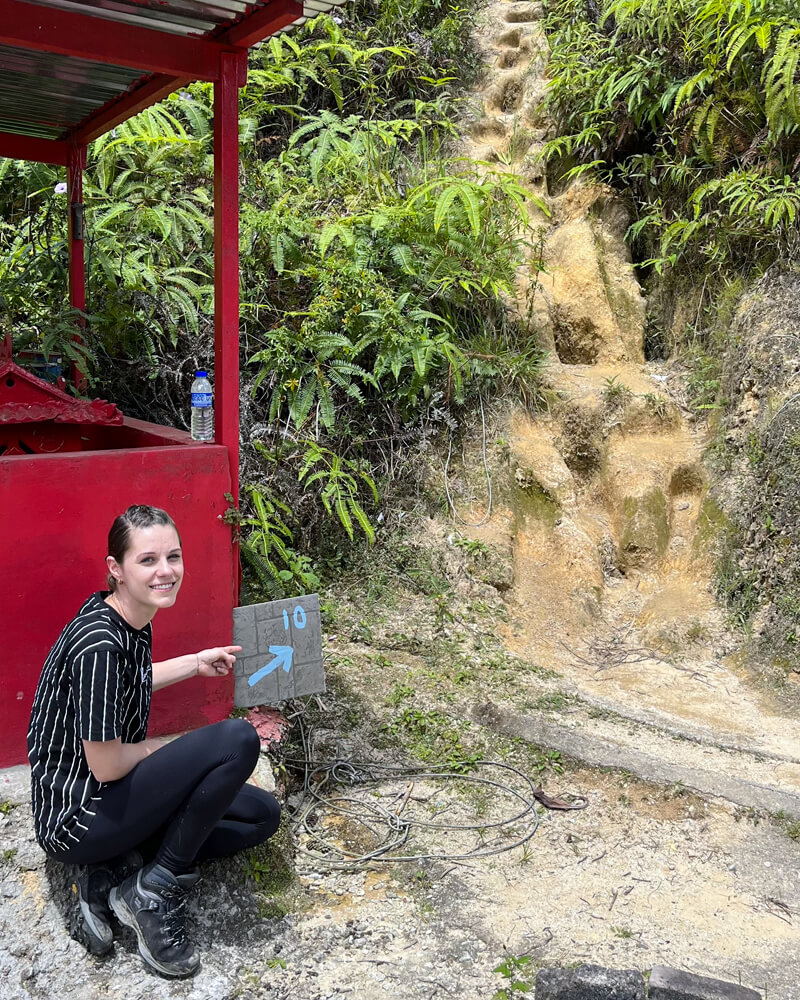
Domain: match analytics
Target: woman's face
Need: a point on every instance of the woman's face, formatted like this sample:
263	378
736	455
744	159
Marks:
151	570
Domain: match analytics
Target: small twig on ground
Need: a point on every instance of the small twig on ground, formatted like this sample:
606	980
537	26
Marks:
538	945
436	983
605	653
783	911
405	797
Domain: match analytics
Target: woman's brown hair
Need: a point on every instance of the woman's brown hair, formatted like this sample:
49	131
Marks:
139	515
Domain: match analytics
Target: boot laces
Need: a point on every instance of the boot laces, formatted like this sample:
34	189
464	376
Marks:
174	917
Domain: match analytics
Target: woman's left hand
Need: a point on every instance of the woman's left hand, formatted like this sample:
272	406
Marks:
216	662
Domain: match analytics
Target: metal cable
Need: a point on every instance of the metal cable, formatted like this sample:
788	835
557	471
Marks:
397	828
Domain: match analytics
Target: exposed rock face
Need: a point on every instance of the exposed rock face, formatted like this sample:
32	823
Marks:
607	511
587	306
538	461
596	306
644	534
609	422
763	363
675	984
761	425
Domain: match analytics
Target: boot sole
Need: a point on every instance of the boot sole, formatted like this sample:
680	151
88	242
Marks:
126	917
94	933
97	938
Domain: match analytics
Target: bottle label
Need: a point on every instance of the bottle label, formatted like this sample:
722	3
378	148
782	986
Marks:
202	400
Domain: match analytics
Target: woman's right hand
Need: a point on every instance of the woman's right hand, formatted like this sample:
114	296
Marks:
217	661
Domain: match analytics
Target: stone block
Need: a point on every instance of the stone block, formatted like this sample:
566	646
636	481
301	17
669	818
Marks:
267	633
673	984
268	687
244	626
589	982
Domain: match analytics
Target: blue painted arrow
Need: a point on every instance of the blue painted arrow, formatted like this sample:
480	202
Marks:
283	658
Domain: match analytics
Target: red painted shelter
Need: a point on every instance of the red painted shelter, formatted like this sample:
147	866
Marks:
70	70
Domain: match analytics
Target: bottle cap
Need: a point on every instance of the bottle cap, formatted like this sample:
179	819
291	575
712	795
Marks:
200	374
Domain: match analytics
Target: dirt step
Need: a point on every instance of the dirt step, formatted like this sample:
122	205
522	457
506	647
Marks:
704	769
523	13
591	382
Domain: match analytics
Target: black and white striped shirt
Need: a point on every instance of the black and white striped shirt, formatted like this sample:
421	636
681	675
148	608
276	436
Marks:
96	684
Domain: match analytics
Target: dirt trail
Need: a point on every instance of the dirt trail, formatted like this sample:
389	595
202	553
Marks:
610	525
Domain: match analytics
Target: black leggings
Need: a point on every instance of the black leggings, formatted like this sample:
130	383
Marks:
190	794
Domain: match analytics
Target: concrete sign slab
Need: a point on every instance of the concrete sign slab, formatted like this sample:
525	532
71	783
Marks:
281	655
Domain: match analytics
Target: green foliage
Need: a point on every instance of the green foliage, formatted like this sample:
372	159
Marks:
737	586
547	761
472	546
656	405
399	693
433	737
374	269
615	393
270	866
267	549
703	379
511	969
339	480
148	244
791	827
694	108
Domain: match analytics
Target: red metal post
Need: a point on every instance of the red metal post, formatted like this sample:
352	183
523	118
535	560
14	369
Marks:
76	162
226	271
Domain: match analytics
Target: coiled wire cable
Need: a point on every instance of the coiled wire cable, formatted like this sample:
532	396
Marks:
396	828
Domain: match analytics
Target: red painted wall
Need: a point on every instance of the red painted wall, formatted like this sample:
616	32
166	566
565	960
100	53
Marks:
55	512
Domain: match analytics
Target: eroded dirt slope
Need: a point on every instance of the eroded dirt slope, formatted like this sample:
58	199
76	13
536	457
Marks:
604	503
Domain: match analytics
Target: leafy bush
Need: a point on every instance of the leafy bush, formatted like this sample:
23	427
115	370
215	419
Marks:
692	107
149	244
373	269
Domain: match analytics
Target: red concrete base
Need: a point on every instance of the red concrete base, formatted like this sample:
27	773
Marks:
56	511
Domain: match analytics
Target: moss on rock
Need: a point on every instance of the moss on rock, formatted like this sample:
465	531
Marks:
645	528
531	501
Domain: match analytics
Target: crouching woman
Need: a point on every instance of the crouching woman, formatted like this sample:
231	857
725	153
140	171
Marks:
106	797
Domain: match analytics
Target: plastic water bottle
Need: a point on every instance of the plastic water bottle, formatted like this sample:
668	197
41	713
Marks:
202	408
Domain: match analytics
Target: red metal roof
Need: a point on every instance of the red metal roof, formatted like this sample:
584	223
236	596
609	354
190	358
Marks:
72	69
182	17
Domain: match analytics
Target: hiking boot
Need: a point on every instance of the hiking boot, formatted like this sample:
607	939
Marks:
92	887
94	928
151	902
